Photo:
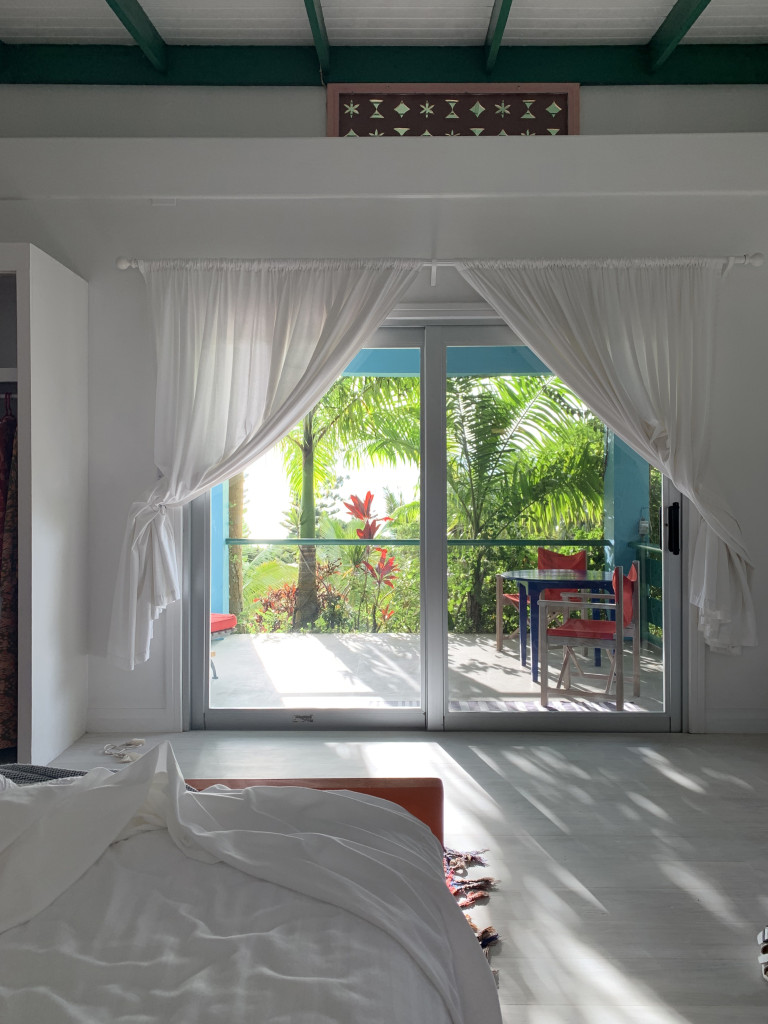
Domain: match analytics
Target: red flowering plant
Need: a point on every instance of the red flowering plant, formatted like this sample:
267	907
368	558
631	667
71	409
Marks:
362	510
384	571
274	610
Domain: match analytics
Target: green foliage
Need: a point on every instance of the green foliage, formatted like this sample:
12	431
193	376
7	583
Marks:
260	576
274	609
524	459
363	418
654	511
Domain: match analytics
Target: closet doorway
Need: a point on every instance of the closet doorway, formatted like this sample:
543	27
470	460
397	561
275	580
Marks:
349	579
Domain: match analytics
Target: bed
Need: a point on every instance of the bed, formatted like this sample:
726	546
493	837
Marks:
130	897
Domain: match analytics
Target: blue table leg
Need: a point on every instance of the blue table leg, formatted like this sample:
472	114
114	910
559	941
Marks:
598	660
523	592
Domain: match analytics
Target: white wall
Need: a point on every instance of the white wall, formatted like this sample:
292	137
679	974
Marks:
88	202
266	112
58	540
735	688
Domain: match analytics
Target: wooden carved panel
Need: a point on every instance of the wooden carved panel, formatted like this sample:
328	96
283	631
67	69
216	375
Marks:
480	110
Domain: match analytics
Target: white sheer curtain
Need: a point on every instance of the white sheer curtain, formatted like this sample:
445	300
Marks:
635	340
244	350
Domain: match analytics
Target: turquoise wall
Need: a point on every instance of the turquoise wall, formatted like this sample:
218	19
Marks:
626	499
219	550
460	361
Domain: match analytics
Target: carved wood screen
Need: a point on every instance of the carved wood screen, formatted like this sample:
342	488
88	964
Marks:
366	110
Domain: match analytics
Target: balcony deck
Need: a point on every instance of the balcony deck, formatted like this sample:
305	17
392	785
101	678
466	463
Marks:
382	670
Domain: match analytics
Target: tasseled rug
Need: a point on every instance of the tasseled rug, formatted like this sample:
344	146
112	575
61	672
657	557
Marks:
468	890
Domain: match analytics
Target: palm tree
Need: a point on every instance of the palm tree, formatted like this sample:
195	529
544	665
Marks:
522	458
359	416
235	526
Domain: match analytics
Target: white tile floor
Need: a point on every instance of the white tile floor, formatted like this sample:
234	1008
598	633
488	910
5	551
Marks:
631	868
364	670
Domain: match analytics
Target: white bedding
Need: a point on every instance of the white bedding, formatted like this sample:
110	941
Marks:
124	898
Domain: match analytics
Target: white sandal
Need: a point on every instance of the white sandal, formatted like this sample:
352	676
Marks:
762	941
120	751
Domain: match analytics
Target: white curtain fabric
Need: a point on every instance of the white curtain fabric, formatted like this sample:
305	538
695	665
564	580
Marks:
244	350
635	341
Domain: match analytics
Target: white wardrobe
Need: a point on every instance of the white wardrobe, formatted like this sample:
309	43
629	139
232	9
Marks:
44	339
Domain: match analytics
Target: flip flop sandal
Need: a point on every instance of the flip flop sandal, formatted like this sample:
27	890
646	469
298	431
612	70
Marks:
121	752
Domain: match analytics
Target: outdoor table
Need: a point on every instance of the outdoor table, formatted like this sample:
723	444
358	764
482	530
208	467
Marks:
531	582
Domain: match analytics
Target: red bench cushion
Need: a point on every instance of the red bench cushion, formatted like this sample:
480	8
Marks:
220	621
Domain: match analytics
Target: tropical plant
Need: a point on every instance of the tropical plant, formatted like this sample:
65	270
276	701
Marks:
523	458
383	571
358	415
276	608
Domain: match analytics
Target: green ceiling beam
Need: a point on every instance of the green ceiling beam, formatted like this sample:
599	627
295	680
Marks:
297	65
319	34
496	26
673	29
146	36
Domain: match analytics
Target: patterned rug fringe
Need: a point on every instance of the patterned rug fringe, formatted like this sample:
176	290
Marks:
469	890
466	890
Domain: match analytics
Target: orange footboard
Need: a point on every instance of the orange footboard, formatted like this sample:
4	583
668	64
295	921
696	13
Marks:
423	798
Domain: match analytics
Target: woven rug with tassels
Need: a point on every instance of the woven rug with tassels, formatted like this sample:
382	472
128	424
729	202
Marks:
469	889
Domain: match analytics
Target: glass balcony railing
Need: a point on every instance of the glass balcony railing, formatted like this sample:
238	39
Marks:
371	585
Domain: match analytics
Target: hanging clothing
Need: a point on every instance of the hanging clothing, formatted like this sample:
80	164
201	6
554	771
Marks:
7	435
9	590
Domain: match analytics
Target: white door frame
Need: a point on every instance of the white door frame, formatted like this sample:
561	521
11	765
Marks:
432	340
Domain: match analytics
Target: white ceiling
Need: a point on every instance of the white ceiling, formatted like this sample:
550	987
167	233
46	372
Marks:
373	22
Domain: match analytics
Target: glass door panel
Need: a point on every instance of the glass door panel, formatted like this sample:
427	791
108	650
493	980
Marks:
315	562
529	467
353	569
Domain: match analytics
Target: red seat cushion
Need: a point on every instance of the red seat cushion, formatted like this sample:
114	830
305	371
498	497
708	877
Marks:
221	621
586	629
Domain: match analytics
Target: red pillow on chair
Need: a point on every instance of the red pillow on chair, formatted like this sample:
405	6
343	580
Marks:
629	585
554	560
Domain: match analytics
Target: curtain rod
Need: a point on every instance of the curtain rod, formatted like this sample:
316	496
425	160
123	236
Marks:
755	259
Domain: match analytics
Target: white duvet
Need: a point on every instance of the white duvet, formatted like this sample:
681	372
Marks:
126	899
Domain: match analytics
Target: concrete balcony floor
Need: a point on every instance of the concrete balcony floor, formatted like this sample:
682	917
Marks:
383	670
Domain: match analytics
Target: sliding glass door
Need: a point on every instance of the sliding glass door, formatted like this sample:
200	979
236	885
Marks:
315	574
349	577
530	473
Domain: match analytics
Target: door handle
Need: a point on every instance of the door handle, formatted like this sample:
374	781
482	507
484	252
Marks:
673	528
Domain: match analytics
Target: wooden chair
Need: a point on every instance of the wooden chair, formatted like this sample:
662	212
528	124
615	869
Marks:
547	559
623	607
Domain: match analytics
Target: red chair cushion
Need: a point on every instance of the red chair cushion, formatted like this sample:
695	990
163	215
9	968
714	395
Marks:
629	585
600	629
585	629
221	621
554	560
